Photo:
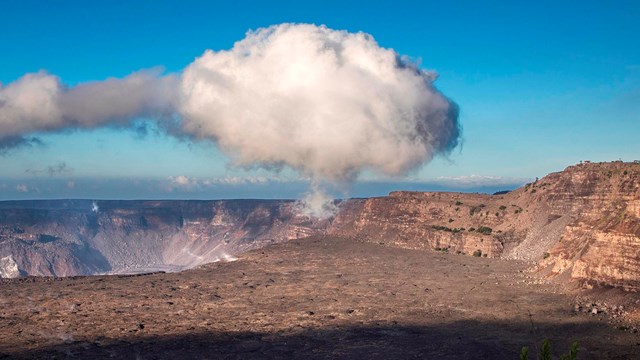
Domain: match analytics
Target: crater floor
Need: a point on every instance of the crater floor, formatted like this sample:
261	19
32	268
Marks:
308	299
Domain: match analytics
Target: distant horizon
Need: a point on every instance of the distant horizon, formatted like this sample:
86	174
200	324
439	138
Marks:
361	190
243	190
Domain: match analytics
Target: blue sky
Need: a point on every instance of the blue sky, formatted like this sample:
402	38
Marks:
540	85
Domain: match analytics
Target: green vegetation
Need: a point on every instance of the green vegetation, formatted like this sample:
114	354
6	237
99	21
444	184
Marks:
446	228
545	352
477	253
476	209
458	203
441	228
573	352
502	207
545	255
484	230
472	229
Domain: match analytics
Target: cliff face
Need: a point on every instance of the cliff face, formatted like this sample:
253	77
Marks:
602	242
582	223
63	238
451	222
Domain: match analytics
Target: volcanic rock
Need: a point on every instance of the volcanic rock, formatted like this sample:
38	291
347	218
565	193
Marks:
327	298
580	225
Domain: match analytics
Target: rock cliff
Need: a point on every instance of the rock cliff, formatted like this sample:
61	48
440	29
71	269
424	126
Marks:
581	224
67	237
601	243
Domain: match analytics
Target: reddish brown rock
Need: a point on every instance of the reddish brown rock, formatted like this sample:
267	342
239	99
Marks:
583	222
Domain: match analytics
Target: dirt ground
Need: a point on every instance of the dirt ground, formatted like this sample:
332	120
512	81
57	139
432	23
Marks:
309	299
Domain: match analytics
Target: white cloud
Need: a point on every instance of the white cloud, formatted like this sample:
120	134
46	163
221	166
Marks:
239	180
39	102
23	188
182	182
326	103
30	104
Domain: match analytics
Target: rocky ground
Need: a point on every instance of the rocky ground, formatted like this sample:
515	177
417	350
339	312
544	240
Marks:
314	298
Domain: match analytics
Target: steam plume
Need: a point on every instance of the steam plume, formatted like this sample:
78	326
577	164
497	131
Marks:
39	102
326	103
317	203
329	104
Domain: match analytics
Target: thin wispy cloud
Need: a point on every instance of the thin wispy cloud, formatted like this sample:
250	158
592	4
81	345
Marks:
58	169
10	143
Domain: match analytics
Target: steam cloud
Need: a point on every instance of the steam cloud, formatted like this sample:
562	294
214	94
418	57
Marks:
329	104
39	102
326	103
